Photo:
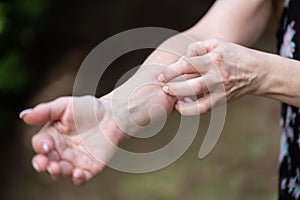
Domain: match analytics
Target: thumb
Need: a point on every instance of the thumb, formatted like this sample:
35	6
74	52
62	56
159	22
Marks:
45	112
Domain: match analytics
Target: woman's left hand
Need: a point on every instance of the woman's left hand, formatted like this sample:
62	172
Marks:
226	71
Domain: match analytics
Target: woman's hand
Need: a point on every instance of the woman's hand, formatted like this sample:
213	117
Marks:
72	130
226	71
81	134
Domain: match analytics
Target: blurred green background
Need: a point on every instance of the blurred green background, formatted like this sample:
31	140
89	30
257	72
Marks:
42	44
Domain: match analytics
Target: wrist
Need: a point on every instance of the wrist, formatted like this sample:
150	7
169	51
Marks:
275	75
263	83
108	122
131	105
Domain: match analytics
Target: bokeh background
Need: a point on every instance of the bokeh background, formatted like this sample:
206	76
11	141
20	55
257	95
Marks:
42	44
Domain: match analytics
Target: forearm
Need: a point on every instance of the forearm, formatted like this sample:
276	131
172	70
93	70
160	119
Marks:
280	78
142	91
133	101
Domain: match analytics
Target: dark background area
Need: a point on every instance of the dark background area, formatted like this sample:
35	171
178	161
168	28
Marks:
42	44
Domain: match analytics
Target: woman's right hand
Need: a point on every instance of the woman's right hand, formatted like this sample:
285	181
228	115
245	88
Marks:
71	127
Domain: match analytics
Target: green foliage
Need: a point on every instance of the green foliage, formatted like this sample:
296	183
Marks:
18	20
13	77
31	9
3	18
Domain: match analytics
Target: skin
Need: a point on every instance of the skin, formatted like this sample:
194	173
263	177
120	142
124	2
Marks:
236	69
58	147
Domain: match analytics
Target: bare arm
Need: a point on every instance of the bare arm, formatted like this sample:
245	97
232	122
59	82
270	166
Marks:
281	80
241	21
59	146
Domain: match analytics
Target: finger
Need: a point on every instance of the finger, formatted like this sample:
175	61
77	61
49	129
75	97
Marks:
42	143
78	177
53	156
54	170
200	63
195	49
60	170
190	87
66	169
200	48
45	112
200	106
88	175
174	70
194	65
40	162
185	77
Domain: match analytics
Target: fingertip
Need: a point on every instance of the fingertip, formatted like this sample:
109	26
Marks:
161	78
32	116
88	176
54	170
177	106
66	169
24	113
165	88
45	147
36	166
39	163
78	177
77	173
49	170
45	112
42	143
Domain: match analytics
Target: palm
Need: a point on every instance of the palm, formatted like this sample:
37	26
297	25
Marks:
61	145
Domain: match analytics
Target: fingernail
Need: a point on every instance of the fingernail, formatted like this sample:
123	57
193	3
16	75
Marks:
76	174
161	78
36	167
49	170
45	147
187	100
25	112
165	89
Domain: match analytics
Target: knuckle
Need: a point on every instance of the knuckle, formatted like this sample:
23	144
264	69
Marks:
216	58
198	48
193	46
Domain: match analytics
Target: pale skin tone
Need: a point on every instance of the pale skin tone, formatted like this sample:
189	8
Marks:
58	147
238	69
